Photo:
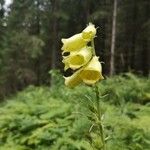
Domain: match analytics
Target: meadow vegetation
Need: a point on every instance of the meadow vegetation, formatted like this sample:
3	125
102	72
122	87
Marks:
44	118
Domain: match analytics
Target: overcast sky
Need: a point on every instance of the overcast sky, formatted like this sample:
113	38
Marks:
7	2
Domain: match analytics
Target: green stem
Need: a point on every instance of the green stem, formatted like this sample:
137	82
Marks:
99	113
99	110
93	47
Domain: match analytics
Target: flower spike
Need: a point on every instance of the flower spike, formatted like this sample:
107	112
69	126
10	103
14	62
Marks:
82	57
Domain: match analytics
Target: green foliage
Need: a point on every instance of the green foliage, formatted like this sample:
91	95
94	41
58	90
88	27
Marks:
126	88
55	119
35	119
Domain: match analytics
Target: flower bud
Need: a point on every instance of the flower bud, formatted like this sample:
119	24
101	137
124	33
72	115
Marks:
89	32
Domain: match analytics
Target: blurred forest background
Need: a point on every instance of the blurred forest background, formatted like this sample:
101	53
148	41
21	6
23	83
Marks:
31	32
37	111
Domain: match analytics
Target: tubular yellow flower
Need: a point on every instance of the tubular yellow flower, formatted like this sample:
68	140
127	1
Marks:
89	32
77	59
92	72
65	61
82	57
73	80
73	43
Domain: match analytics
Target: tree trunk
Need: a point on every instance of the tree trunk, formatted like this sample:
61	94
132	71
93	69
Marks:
37	32
134	32
54	36
113	39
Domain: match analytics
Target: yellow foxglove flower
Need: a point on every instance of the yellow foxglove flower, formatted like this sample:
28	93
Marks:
77	59
65	61
73	80
73	43
92	72
89	32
